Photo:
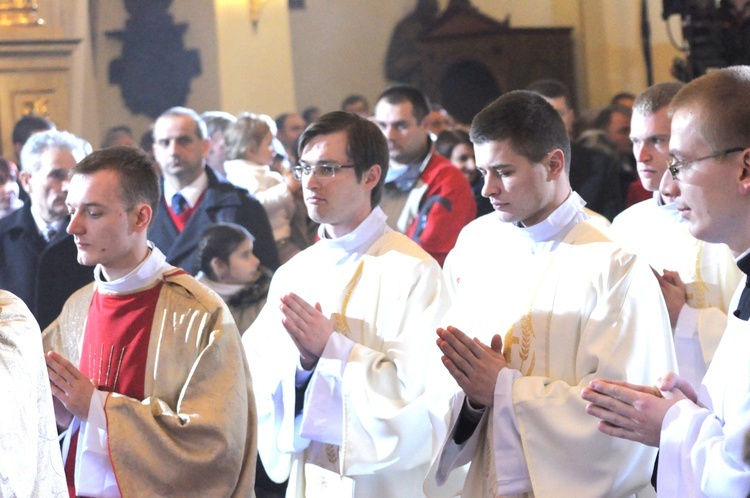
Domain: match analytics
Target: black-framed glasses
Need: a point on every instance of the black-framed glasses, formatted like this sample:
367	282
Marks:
324	170
674	166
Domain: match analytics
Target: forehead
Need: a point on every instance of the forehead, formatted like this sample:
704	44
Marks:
294	121
496	153
172	126
331	147
648	124
56	159
399	111
559	103
100	187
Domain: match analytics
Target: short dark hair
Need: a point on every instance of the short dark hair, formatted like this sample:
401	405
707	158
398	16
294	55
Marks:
28	125
309	112
220	241
138	180
616	98
365	144
656	97
353	99
405	93
604	118
551	89
532	125
448	139
8	171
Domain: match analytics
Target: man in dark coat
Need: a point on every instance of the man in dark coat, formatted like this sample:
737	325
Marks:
38	259
193	198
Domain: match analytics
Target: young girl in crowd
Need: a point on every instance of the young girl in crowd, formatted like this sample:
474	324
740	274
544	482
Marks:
229	268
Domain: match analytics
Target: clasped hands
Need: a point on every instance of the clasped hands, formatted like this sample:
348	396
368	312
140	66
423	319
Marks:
473	364
70	388
635	412
307	326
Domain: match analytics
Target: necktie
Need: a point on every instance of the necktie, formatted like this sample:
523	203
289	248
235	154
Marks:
49	232
179	204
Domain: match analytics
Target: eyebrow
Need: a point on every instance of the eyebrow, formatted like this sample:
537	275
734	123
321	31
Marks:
89	204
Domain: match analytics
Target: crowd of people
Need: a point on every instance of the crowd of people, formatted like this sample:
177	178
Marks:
383	302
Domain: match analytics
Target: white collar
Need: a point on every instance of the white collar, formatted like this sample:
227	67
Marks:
358	240
140	277
191	192
570	210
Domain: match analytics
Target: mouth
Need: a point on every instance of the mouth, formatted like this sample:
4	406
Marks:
499	206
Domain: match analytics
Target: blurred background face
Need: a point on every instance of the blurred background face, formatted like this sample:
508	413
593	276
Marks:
462	157
264	153
48	186
650	137
407	138
619	131
8	194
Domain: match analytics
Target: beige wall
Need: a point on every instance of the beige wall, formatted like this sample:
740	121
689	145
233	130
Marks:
255	67
332	48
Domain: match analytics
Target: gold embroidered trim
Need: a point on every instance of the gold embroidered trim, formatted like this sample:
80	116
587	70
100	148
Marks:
527	330
699	286
339	319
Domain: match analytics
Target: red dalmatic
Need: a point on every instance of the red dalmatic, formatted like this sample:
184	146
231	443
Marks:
115	349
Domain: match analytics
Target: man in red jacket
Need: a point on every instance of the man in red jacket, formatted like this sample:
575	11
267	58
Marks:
425	196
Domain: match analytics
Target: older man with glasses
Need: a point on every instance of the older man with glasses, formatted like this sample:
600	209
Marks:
700	429
339	354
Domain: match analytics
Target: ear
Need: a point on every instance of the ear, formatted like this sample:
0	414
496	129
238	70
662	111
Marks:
206	147
143	217
220	268
372	176
556	165
745	173
25	178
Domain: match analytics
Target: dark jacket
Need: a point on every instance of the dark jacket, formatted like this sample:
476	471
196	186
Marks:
223	202
43	275
594	176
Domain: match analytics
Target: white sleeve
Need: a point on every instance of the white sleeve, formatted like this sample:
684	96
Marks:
94	475
324	403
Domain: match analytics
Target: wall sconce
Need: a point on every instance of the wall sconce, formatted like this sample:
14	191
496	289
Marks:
255	7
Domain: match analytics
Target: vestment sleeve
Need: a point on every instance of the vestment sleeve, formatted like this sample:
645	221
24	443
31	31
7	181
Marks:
194	433
701	456
626	337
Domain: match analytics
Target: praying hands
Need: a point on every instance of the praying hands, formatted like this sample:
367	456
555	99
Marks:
307	326
635	412
474	365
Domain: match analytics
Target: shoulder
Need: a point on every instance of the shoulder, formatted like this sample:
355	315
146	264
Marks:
441	170
185	285
18	220
636	211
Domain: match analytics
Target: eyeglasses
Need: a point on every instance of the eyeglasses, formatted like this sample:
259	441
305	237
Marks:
319	170
674	166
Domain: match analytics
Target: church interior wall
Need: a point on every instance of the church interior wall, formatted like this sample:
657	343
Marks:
331	48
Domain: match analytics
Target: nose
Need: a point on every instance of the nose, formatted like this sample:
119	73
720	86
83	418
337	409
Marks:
75	227
641	153
491	185
310	181
669	186
389	132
